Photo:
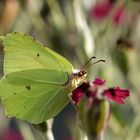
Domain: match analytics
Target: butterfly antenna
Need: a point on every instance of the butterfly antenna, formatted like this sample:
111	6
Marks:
87	63
101	60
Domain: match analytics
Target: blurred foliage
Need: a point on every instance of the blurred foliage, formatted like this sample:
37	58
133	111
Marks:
79	29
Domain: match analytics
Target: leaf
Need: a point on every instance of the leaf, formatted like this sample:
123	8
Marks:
22	52
34	95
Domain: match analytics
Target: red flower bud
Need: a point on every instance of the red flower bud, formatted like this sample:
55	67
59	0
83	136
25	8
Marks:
101	9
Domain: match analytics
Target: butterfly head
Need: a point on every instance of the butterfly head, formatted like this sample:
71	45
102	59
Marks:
78	77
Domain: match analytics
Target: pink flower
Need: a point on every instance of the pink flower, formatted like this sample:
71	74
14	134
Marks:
101	9
76	95
118	95
79	92
121	15
98	91
98	81
11	134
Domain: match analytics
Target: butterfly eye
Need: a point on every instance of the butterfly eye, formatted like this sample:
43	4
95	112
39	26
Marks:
81	73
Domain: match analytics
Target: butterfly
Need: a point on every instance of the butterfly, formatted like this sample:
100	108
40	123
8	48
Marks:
37	81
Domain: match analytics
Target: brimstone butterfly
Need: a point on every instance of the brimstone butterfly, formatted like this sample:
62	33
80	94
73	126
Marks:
37	80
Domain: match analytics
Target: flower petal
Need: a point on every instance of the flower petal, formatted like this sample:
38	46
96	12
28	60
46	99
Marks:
76	95
78	92
123	93
118	95
98	81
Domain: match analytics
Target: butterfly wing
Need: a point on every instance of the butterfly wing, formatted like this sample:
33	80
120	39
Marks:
22	52
34	95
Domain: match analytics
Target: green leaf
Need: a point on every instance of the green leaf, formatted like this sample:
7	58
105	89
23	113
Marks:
34	95
23	52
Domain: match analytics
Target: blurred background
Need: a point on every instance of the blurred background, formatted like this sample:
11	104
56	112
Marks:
78	30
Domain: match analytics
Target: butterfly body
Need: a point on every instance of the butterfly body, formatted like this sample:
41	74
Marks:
77	78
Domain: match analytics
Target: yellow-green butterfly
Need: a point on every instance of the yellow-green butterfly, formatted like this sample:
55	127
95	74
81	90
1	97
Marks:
35	85
37	80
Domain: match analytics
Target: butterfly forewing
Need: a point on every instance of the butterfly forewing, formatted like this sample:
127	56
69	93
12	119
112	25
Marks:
22	52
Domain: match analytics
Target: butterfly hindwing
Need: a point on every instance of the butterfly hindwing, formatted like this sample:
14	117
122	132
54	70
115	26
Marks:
34	95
